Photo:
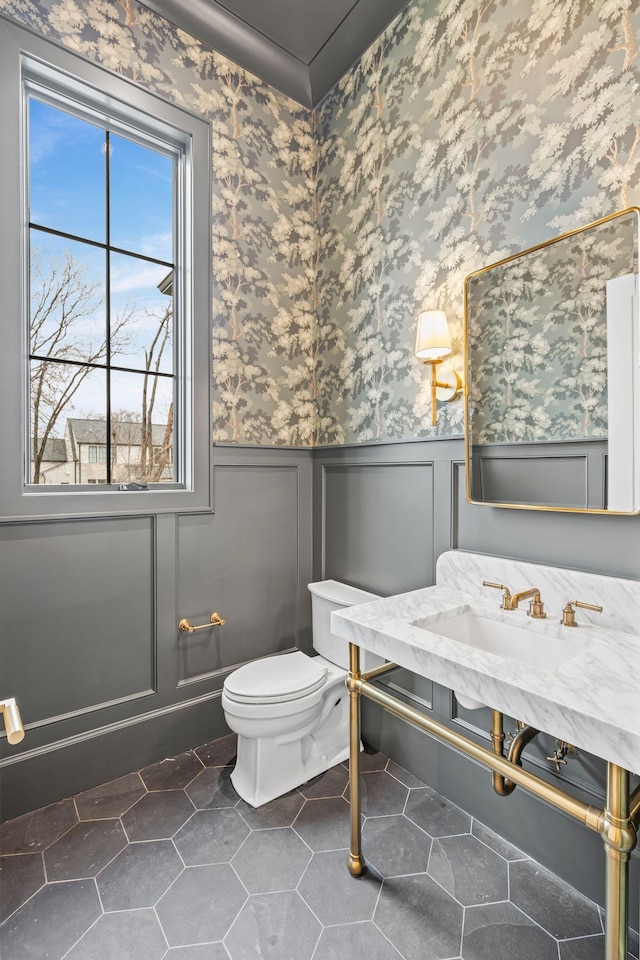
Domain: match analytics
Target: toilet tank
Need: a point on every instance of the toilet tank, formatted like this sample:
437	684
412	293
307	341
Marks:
329	595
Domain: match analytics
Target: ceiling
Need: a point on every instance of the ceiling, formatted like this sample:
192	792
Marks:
301	47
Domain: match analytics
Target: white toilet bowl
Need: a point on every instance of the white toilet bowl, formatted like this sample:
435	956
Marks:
291	712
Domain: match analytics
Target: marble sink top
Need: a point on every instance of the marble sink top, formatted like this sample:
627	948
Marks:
581	684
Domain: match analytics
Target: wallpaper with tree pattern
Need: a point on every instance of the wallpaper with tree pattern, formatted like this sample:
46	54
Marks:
471	129
264	155
538	337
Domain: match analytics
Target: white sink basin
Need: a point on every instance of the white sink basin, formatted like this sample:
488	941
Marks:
513	641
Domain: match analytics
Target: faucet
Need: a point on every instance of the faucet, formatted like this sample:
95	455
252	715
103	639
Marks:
536	607
509	602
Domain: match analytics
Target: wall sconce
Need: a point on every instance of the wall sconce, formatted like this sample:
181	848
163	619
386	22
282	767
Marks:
433	344
12	720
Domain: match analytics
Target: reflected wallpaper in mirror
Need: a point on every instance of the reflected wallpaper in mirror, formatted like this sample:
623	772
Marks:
543	333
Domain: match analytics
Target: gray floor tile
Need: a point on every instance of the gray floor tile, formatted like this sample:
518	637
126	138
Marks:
133	935
110	799
500	930
201	951
403	775
280	812
468	870
212	788
329	784
333	894
201	905
271	860
173	773
273	926
36	831
139	875
395	846
84	850
439	817
355	940
210	836
292	892
420	919
585	948
20	876
556	906
51	922
219	753
324	824
157	816
380	794
371	760
496	842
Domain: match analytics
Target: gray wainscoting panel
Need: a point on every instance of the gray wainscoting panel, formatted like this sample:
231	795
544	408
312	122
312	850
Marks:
242	562
564	474
561	481
76	614
88	623
378	523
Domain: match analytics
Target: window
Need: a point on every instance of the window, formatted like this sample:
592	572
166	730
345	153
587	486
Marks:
110	188
97	454
102	237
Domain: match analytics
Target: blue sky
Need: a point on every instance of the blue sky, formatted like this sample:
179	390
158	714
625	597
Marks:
68	193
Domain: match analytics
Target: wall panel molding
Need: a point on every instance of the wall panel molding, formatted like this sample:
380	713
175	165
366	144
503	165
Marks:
95	577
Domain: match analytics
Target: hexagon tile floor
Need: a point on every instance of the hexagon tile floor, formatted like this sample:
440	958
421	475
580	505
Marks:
169	864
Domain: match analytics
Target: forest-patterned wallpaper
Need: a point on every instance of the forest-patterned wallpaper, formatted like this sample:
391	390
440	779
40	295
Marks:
264	244
471	129
538	338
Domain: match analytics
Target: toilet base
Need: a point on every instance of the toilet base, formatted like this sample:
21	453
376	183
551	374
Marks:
257	779
268	767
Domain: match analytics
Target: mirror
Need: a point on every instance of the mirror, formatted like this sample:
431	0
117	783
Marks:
552	348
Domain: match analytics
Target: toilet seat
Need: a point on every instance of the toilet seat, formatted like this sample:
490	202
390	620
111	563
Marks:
280	679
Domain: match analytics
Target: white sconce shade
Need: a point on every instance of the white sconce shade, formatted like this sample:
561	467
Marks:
433	340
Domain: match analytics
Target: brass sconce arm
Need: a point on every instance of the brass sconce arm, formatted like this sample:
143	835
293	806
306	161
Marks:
448	387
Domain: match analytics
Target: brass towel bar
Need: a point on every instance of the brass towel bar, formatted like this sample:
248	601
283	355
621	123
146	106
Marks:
214	621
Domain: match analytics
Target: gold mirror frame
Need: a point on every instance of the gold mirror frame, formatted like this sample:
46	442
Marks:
467	378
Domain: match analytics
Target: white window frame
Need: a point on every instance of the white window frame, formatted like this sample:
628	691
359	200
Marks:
30	63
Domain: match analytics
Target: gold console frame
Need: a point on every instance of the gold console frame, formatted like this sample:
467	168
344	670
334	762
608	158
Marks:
617	823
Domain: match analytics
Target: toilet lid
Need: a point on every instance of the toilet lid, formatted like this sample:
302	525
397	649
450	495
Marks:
276	679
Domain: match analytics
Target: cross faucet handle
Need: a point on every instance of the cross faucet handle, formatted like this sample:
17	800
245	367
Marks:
558	758
506	596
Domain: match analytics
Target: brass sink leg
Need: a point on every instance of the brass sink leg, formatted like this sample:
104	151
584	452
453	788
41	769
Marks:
355	860
619	837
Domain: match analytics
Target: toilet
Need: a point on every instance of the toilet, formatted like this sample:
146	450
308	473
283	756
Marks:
291	711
